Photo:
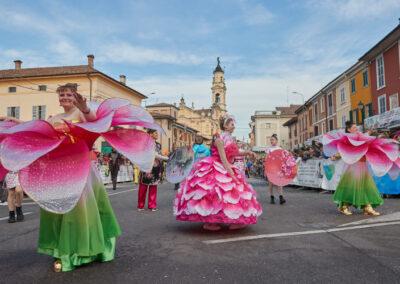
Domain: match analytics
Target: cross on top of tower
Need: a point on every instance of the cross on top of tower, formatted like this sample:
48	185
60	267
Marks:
218	68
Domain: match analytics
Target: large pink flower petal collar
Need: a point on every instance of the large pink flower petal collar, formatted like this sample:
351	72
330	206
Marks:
54	162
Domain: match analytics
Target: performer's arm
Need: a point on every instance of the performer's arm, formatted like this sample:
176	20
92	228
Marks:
161	157
9	118
80	103
247	153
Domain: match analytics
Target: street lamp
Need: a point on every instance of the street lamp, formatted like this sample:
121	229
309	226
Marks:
145	100
297	93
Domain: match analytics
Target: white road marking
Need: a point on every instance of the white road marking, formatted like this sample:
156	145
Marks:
268	236
119	192
5	218
378	219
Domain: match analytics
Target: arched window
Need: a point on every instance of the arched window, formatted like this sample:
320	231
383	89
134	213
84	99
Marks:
217	98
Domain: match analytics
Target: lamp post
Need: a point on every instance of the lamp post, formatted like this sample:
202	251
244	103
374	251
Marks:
145	100
360	107
297	93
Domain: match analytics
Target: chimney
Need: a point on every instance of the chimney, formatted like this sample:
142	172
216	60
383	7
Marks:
17	64
122	79
90	58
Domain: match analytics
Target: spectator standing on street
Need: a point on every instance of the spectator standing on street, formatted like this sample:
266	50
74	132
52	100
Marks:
15	194
200	150
151	180
114	164
274	146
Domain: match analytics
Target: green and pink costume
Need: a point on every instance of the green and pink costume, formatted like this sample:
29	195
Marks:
356	186
77	223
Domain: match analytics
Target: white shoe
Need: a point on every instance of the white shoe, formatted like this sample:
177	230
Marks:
154	209
140	209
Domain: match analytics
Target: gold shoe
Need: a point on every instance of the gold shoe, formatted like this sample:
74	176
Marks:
345	210
368	210
58	266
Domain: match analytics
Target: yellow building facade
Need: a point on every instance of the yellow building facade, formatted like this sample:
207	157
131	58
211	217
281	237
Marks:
360	94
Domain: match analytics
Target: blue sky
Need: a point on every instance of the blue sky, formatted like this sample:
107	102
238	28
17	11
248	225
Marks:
267	48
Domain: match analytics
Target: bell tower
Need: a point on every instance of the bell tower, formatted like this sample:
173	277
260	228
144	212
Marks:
219	89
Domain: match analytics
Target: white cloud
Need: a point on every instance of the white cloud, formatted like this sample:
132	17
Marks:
356	9
255	13
120	51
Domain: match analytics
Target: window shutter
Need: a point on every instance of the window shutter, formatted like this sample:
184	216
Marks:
351	115
17	112
9	111
370	110
34	112
43	113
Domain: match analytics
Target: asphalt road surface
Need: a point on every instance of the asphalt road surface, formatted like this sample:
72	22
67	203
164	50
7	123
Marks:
304	241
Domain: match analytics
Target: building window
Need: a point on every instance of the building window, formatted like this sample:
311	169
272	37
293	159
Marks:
13	112
365	78
42	88
355	116
268	125
330	104
302	122
330	124
316	130
316	111
353	85
382	103
344	121
323	128
380	72
369	108
310	116
39	112
12	89
342	95
394	101
322	104
169	125
305	124
217	98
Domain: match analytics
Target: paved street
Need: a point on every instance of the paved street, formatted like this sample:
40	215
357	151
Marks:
303	241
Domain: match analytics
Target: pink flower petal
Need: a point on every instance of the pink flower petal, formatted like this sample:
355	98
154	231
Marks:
3	172
233	211
232	196
23	148
37	126
222	178
380	164
56	180
100	125
110	105
394	172
351	154
136	145
4	125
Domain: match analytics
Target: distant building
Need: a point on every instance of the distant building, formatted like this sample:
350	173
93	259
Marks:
265	123
177	134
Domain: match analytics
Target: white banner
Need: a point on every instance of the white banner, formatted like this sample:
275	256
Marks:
309	174
125	174
333	171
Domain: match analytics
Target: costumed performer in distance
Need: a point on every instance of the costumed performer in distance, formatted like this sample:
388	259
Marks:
216	191
77	223
356	187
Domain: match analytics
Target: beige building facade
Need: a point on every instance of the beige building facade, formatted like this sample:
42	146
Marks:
266	123
30	93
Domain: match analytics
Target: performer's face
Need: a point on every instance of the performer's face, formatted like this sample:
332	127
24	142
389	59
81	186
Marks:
230	126
273	141
154	135
66	98
353	129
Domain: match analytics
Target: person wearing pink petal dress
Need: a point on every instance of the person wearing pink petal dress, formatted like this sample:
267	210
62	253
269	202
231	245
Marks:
52	158
216	191
356	187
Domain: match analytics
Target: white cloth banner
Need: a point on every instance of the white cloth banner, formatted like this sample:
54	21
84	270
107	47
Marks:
309	173
333	171
125	174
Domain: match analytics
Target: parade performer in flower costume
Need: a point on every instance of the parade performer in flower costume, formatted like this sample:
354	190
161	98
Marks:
216	191
77	223
356	187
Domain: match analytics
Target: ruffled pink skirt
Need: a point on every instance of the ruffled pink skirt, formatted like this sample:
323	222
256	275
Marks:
209	194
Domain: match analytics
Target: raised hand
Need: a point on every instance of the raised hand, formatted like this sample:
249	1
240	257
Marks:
80	102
